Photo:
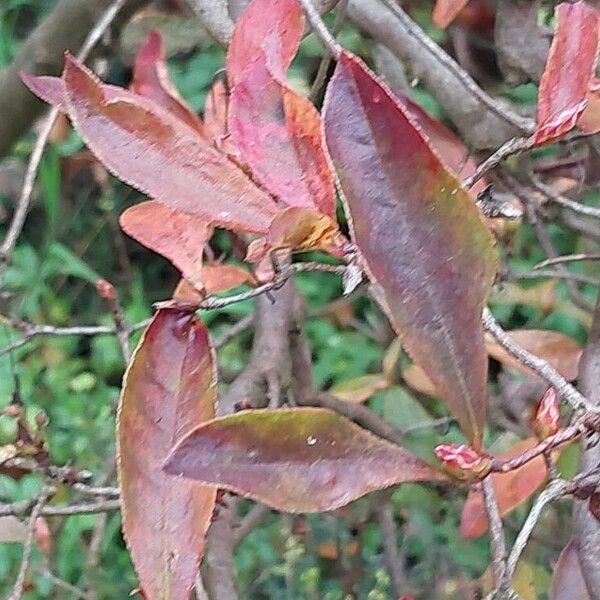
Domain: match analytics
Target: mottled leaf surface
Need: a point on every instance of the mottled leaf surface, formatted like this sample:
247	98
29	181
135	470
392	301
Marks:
568	582
569	70
420	235
278	133
169	388
294	460
273	27
150	149
512	489
151	79
180	237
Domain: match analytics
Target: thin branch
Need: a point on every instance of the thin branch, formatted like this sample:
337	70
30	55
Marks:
24	201
254	517
32	331
568	258
109	294
25	506
537	364
582	209
389	540
497	539
320	29
324	64
214	15
551	273
555	489
523	124
511	147
17	591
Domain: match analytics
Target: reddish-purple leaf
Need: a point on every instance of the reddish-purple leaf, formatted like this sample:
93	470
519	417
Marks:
151	79
169	389
568	582
449	146
178	236
271	27
420	235
150	149
295	460
278	134
569	70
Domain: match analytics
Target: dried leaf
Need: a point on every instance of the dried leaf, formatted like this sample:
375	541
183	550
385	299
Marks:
178	236
359	389
169	388
271	27
151	79
12	530
278	134
568	582
420	235
220	278
138	141
298	229
417	379
569	70
294	460
445	11
512	489
558	349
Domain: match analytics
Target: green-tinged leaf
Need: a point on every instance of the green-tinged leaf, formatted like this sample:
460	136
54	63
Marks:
359	389
421	238
294	460
169	388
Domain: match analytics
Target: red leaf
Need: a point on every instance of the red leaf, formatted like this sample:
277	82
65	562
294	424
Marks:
169	388
568	582
151	79
178	236
569	69
294	460
445	11
512	489
272	27
220	278
278	133
449	146
420	235
150	149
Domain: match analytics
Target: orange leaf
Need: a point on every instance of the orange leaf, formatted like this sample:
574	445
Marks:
561	351
445	11
169	388
298	229
176	235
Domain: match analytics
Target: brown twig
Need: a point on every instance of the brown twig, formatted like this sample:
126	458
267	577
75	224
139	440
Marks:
24	507
320	29
497	539
325	63
560	260
254	517
582	209
537	364
389	540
